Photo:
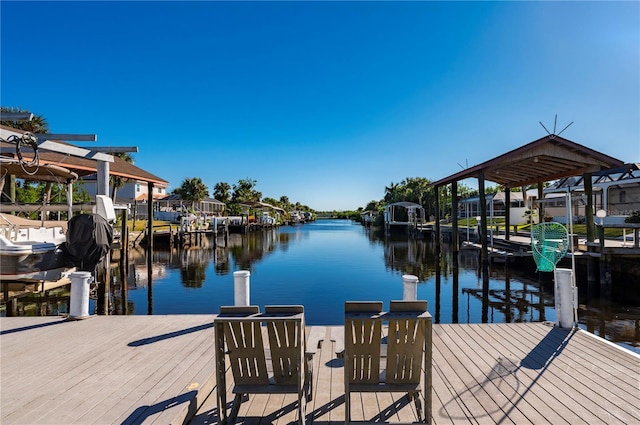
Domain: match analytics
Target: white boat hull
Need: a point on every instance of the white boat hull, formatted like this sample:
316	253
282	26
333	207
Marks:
30	261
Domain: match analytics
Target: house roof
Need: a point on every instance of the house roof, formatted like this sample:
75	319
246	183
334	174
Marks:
548	158
81	166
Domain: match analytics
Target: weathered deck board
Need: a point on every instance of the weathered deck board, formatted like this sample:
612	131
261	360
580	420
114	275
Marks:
103	369
160	369
557	412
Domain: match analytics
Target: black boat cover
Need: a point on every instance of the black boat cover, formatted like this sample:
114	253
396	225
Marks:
89	239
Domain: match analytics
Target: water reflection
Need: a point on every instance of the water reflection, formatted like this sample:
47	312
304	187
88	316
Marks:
323	264
410	256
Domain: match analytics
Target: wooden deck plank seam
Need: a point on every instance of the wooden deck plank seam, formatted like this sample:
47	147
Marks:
578	396
627	360
493	402
618	397
152	378
513	398
464	369
447	370
546	375
557	409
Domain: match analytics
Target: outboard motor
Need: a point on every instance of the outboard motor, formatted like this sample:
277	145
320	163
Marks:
89	236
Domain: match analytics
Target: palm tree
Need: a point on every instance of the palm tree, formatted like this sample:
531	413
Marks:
245	191
419	187
193	190
221	192
37	125
390	192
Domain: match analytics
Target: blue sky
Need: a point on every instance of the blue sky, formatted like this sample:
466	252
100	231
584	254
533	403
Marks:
325	102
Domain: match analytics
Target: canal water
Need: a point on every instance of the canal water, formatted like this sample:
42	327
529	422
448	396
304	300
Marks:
325	263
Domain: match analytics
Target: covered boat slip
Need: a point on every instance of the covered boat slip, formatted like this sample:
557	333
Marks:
161	369
548	158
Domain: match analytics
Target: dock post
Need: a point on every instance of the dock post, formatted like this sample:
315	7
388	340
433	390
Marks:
605	262
124	234
565	298
79	300
241	288
409	287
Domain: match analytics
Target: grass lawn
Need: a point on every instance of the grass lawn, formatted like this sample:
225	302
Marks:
141	225
578	229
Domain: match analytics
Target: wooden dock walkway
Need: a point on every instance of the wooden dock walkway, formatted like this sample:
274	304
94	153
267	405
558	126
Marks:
161	370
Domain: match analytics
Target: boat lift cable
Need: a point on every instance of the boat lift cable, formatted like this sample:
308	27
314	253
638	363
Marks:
28	140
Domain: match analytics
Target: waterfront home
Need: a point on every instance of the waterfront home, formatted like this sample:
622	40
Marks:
173	207
615	191
496	205
134	190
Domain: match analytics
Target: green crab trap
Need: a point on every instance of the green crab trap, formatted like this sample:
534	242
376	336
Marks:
549	243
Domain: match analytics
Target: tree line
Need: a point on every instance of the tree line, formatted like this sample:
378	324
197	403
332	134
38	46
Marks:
419	191
233	196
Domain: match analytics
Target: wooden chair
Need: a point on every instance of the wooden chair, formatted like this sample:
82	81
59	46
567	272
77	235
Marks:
282	366
406	360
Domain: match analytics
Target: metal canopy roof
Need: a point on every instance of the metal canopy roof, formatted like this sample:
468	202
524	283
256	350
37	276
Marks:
548	158
405	204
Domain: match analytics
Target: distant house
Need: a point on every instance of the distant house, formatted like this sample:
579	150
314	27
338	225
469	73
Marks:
497	206
172	207
132	191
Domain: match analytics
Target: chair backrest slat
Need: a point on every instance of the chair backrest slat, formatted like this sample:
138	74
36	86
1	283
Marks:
406	348
284	343
362	336
285	339
405	341
246	353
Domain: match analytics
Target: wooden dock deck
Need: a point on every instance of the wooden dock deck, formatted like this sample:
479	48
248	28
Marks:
161	370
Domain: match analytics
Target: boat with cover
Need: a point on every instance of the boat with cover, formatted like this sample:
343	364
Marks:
30	249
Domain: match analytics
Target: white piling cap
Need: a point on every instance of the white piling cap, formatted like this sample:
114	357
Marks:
409	278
